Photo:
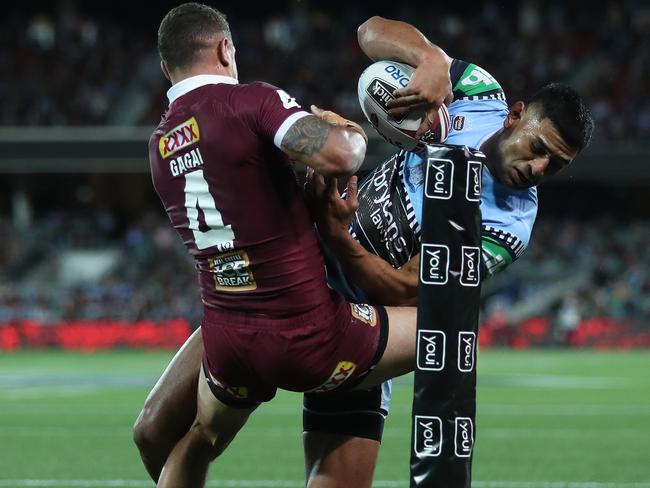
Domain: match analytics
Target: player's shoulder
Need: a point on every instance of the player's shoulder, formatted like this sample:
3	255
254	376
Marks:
508	209
229	91
265	94
260	87
472	82
167	120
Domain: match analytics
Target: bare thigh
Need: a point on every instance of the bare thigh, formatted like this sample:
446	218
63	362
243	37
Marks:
399	356
173	397
219	422
339	461
215	426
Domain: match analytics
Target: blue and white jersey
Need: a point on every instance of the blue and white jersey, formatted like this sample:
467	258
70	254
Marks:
390	198
387	222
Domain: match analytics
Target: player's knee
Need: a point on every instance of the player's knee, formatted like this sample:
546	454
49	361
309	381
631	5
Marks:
213	443
146	431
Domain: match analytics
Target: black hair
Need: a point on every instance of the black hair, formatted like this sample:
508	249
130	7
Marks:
567	110
187	29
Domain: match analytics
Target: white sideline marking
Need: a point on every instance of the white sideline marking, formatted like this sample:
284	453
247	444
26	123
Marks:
300	484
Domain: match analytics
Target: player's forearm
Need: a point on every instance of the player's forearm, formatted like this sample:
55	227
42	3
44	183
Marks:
382	38
379	281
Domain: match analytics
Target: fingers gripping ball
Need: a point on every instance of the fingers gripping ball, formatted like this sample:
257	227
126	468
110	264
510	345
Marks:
375	88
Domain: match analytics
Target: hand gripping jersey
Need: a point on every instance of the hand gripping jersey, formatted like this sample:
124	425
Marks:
232	195
390	198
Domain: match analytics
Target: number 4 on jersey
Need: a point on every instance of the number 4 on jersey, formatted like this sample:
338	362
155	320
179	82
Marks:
287	100
197	196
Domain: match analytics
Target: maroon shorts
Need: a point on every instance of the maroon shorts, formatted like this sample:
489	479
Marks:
332	347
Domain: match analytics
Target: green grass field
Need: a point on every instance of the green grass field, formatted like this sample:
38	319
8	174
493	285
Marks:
546	419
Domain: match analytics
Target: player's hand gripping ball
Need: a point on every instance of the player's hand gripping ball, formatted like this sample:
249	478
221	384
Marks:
375	88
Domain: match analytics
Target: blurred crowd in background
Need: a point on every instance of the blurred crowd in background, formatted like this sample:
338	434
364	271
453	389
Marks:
152	277
63	66
573	271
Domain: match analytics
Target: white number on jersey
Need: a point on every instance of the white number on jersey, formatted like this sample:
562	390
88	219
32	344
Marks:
198	195
287	100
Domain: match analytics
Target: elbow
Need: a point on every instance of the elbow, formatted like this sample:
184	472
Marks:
362	30
350	159
368	25
345	165
365	30
346	156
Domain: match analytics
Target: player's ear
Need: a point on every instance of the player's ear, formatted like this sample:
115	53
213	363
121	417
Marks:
226	52
165	71
515	114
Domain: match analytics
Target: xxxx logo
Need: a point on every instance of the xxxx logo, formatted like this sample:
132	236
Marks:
342	372
179	137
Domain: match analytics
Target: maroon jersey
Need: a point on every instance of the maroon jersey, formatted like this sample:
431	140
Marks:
232	195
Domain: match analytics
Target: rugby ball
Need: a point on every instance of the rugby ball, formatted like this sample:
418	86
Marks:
375	88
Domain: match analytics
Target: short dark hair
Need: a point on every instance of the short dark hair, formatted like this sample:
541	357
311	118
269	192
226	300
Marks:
567	110
187	29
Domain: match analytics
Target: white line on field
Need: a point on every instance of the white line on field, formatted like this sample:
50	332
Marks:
300	484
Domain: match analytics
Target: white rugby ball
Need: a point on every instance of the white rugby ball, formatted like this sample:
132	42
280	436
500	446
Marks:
375	88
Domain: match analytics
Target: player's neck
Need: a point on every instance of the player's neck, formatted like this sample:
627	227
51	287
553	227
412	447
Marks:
218	70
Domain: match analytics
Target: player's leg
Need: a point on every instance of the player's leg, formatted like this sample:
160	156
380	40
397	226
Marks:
337	453
342	435
215	426
170	408
339	461
399	355
343	430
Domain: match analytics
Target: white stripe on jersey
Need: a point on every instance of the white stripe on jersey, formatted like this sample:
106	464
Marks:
286	125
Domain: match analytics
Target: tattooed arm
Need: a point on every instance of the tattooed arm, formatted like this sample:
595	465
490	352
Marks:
326	142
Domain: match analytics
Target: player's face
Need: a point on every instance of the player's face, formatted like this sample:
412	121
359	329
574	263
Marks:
533	150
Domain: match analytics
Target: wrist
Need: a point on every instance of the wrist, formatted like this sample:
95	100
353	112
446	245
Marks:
340	241
434	55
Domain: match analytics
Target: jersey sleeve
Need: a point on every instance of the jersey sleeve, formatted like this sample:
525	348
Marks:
496	255
276	111
471	82
504	240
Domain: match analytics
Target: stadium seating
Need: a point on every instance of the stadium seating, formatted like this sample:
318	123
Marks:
80	67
